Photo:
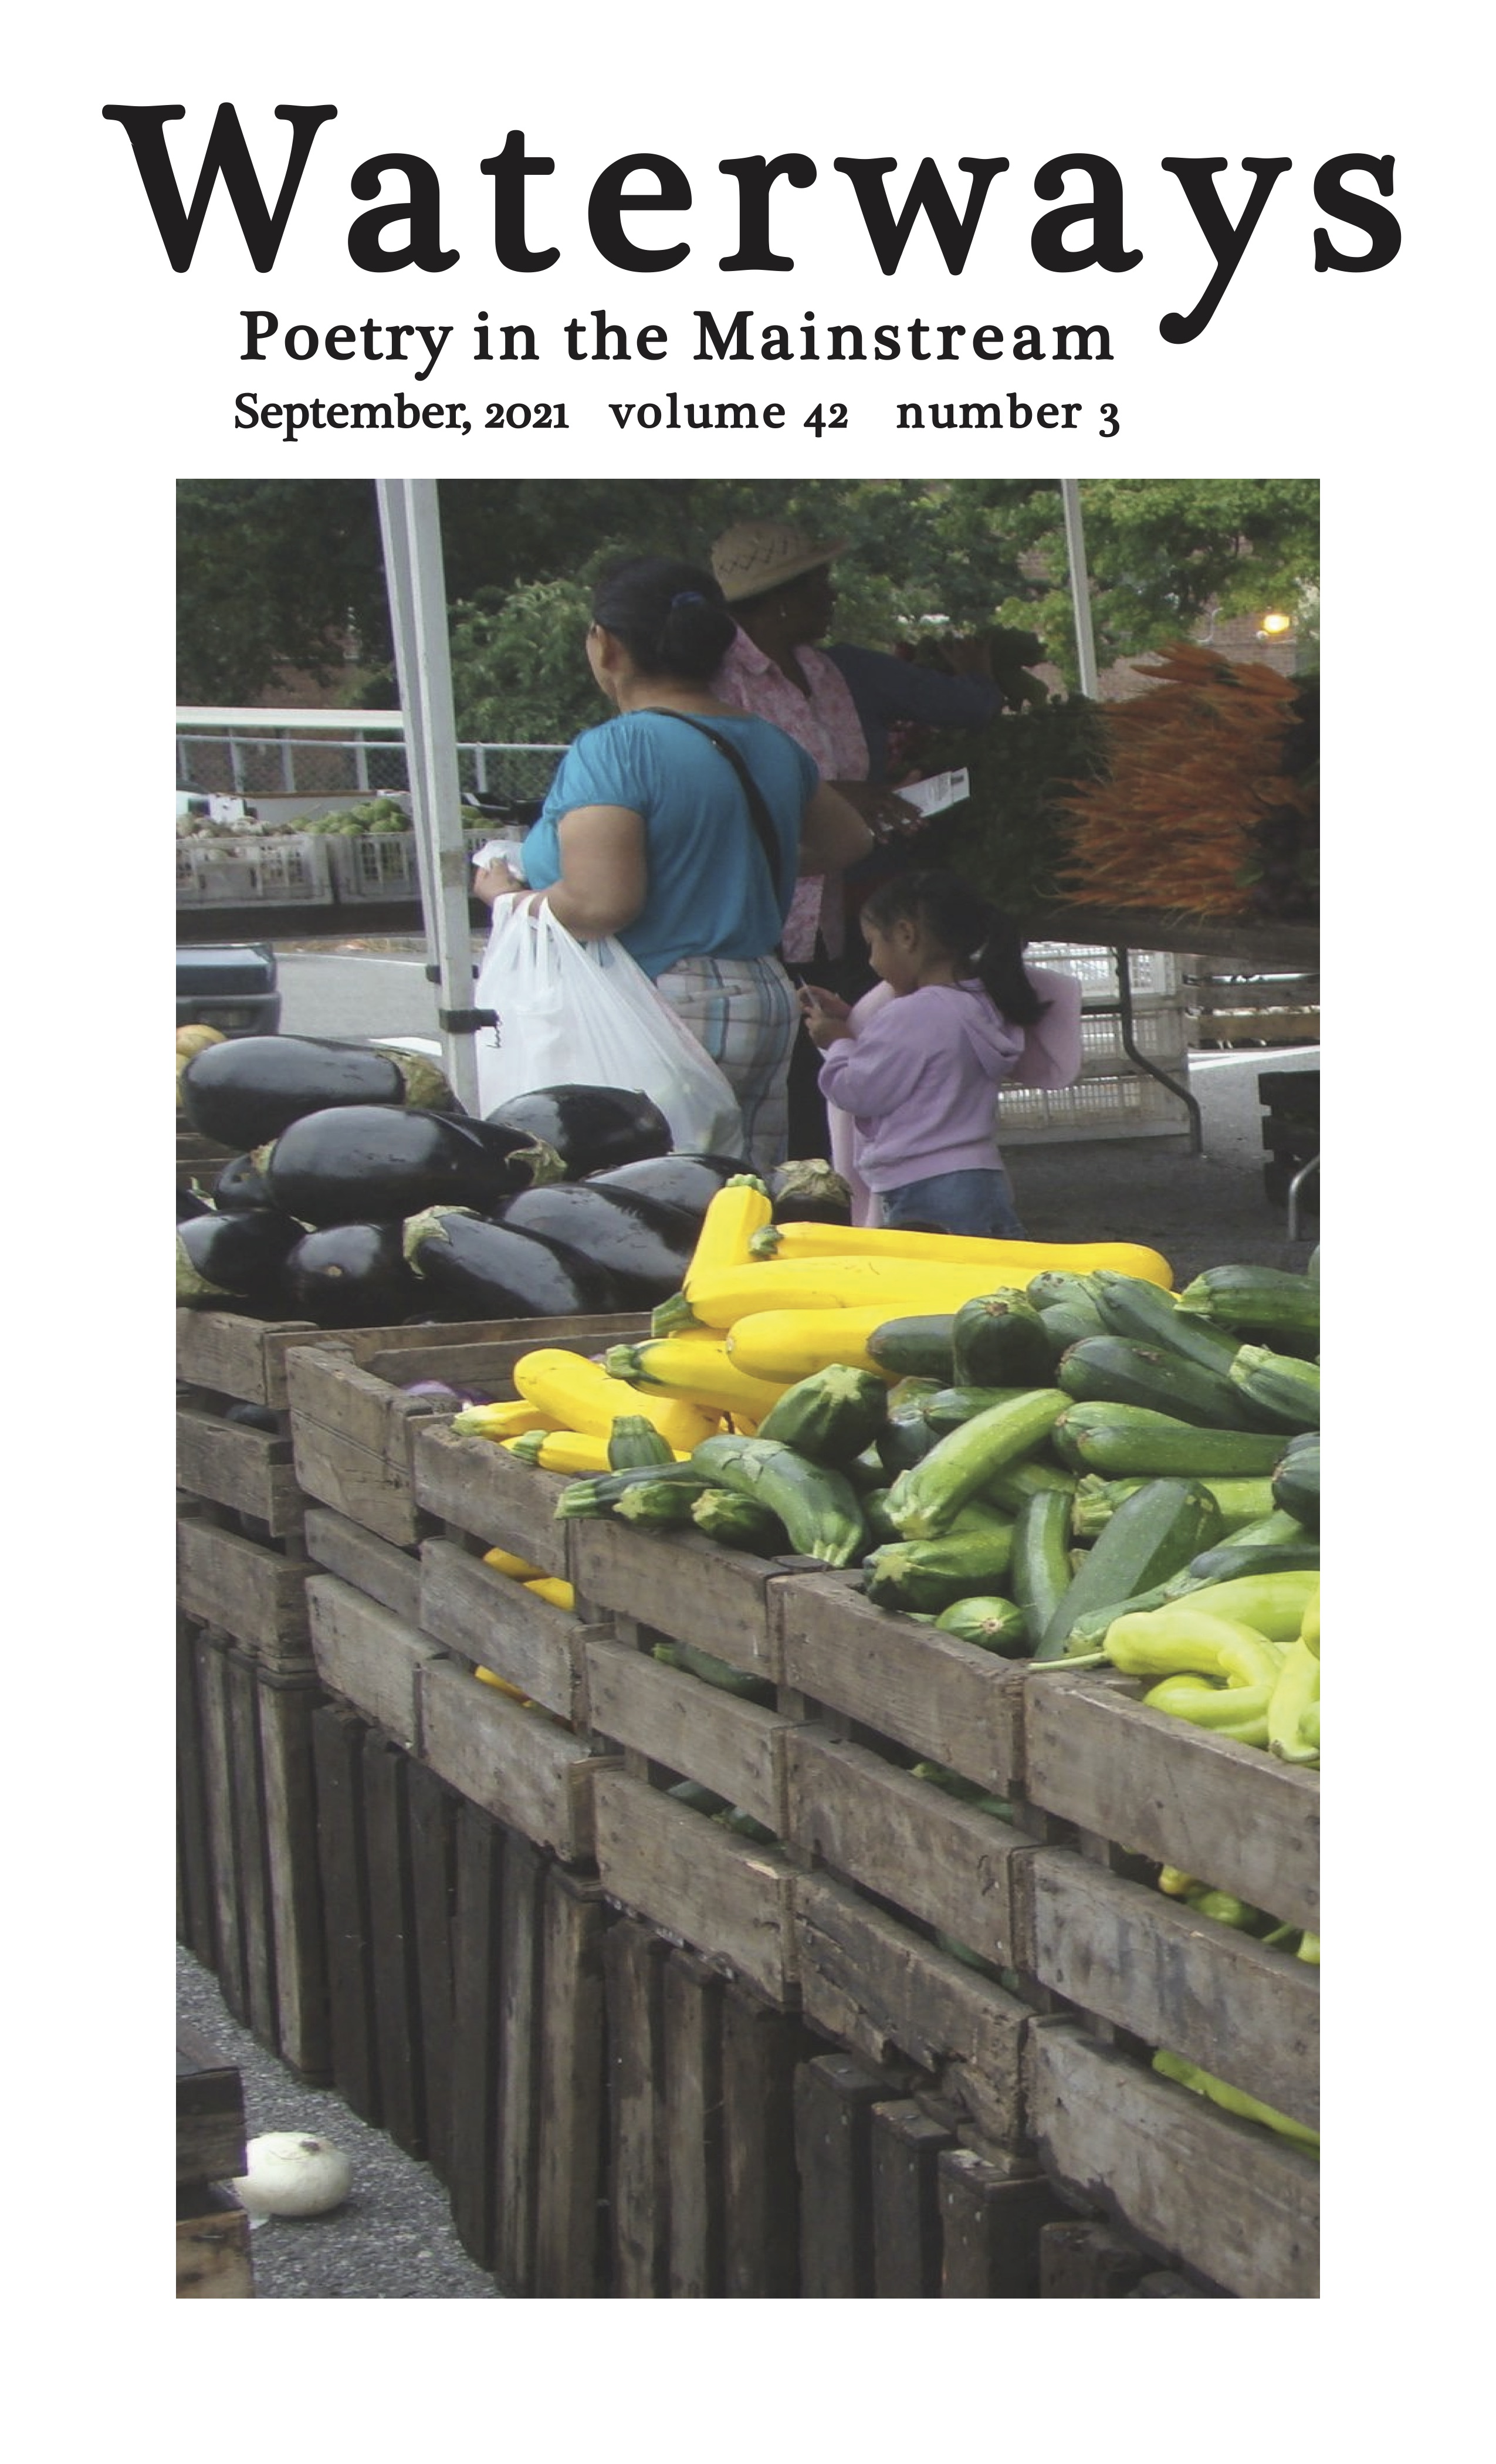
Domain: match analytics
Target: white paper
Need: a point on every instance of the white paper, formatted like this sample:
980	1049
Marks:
935	795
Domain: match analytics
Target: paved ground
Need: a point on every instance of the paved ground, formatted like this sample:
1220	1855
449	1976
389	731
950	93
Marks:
393	2238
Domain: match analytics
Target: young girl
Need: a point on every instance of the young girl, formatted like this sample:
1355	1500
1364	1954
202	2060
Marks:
920	1075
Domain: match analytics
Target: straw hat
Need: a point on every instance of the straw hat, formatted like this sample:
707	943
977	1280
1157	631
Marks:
755	556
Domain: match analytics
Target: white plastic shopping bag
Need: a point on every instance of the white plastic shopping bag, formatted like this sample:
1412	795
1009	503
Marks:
576	1013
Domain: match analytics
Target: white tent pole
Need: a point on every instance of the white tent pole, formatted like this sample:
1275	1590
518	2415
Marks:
415	582
1080	587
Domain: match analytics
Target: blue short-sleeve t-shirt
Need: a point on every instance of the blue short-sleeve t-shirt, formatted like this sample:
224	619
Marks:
710	895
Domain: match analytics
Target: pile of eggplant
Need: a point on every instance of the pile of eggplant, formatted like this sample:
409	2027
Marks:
362	1195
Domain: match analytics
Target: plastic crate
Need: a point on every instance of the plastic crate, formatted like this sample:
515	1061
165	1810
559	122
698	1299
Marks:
384	866
1131	1107
1157	975
239	871
1160	1033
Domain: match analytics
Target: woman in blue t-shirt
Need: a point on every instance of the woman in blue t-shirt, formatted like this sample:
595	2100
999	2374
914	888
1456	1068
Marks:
653	832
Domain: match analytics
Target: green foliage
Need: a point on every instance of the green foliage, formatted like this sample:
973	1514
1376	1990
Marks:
1008	840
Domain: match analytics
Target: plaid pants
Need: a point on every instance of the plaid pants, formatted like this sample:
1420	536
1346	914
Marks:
745	1013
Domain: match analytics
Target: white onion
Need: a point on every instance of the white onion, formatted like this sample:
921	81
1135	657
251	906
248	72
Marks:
293	2173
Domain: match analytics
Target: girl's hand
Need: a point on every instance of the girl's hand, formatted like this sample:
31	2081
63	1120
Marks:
816	997
825	1017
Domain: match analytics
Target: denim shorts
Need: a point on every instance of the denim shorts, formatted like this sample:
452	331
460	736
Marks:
976	1203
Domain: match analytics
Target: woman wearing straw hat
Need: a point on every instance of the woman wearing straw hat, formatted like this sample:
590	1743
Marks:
839	705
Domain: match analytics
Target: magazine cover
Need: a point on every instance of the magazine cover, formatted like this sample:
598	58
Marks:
741	607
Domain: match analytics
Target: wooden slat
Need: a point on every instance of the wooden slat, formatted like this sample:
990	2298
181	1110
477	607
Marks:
906	2201
521	1982
243	1589
1081	2263
256	1931
833	2101
1153	1967
1223	2195
946	1700
337	1743
682	1586
213	1704
570	2260
761	2050
367	1655
474	2050
724	1896
991	2218
366	1487
488	1492
695	1730
517	1765
491	1619
288	1779
392	1962
386	1573
432	1812
1232	1816
210	2112
873	1984
691	2014
194	1854
242	1357
329	1391
633	1958
480	1353
243	1468
213	2256
905	1839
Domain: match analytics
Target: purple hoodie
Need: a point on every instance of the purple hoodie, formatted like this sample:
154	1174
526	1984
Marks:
922	1081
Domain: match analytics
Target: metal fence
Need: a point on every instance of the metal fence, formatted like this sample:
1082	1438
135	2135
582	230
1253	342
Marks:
339	753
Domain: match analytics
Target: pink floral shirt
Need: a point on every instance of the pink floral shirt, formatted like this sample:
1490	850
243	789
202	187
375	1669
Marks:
827	725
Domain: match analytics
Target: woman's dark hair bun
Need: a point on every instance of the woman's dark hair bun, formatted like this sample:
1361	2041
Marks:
671	617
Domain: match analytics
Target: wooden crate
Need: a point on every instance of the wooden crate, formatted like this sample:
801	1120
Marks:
249	1470
368	1656
475	1487
384	1573
1228	1813
906	1841
694	1729
210	2112
1220	2195
490	1620
722	1896
520	1766
212	2247
948	1701
1149	1964
354	1426
683	1587
243	1588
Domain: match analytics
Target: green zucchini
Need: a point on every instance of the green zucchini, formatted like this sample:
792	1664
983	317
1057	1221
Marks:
633	1441
736	1522
747	1826
1040	1560
904	1439
1017	1481
973	1555
1057	1287
881	1527
1124	1440
599	1492
690	1791
1225	1563
1261	1300
1242	1503
911	1390
1273	1529
713	1671
817	1506
655	1505
914	1347
1151	1537
946	1407
1276	1388
1143	1313
968	1957
830	1416
969	1790
865	1471
1069	1322
989	1622
1110	1369
1295	1482
926	1500
998	1339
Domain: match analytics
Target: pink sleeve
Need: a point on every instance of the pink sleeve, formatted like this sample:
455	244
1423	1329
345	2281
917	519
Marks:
1051	1054
843	1135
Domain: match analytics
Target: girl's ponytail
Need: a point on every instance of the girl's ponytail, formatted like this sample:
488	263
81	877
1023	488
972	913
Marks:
986	941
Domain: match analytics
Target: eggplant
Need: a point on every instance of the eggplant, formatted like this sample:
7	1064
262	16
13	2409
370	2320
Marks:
234	1257
351	1274
645	1246
809	1192
190	1203
241	1184
372	1163
476	1268
592	1128
253	1086
686	1182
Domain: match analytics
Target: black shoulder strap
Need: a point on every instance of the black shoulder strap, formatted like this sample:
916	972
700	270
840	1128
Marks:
758	810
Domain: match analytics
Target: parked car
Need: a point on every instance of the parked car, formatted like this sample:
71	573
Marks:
229	985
